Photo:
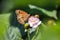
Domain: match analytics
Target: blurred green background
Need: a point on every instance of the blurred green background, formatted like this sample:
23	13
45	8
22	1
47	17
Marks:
11	4
46	32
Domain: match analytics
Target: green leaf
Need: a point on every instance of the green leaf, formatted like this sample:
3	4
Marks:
8	32
48	13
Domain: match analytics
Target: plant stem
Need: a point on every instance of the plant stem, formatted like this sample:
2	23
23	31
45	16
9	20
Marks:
28	35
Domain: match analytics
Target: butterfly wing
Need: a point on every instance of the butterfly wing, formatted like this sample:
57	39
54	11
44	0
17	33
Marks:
22	16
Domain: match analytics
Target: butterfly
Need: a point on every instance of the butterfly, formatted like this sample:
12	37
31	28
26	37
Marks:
22	16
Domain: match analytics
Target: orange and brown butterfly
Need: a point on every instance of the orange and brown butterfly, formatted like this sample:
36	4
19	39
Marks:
22	16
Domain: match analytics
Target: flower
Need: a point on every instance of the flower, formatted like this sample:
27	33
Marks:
34	22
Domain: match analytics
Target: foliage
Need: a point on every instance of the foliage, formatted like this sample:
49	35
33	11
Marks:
43	32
